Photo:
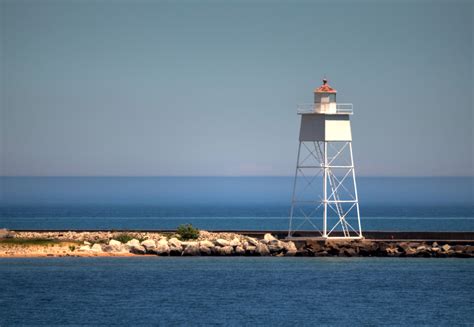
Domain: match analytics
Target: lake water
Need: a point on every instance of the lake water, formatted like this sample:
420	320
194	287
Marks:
252	203
234	291
231	291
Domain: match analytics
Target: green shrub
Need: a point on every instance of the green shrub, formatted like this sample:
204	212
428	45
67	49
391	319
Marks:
124	237
187	232
72	248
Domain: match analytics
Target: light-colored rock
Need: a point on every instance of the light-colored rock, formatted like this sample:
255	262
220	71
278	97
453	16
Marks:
148	245
207	244
269	237
87	243
252	241
226	250
192	249
133	243
176	247
174	242
96	248
262	249
162	247
117	246
235	242
85	248
290	248
222	242
446	247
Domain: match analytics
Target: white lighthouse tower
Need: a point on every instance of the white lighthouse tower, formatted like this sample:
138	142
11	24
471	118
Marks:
325	191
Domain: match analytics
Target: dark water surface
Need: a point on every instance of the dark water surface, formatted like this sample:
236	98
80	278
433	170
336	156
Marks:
237	291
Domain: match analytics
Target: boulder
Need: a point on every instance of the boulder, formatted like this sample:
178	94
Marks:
262	249
269	237
207	244
137	249
192	249
446	247
410	251
290	248
222	242
117	246
175	245
391	251
149	245
162	247
252	241
107	248
205	250
5	233
239	250
435	249
96	248
87	243
275	246
85	248
459	248
226	250
235	242
469	249
133	243
421	248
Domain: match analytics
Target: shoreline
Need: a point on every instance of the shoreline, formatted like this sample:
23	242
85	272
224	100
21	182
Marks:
43	244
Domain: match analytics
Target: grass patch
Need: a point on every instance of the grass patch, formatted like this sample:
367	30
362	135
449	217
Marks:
187	232
28	241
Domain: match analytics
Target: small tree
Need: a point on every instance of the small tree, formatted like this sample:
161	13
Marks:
187	232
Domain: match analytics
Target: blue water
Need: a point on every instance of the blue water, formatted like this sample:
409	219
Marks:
237	291
231	291
252	203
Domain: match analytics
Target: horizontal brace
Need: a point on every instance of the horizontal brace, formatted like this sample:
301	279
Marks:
340	201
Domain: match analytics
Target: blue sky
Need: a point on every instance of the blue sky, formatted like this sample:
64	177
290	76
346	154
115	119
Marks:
210	88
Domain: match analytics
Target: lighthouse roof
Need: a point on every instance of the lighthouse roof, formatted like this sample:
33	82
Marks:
325	88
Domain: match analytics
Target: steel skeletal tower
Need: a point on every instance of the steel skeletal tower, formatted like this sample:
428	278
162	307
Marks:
325	191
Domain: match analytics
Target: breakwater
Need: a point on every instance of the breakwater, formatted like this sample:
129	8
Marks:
227	243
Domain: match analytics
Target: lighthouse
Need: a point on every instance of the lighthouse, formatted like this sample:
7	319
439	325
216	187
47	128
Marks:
324	190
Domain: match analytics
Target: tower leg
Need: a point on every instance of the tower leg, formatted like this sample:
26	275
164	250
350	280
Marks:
294	192
355	191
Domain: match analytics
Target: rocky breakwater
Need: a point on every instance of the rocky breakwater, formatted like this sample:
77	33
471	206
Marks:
107	243
208	244
369	248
